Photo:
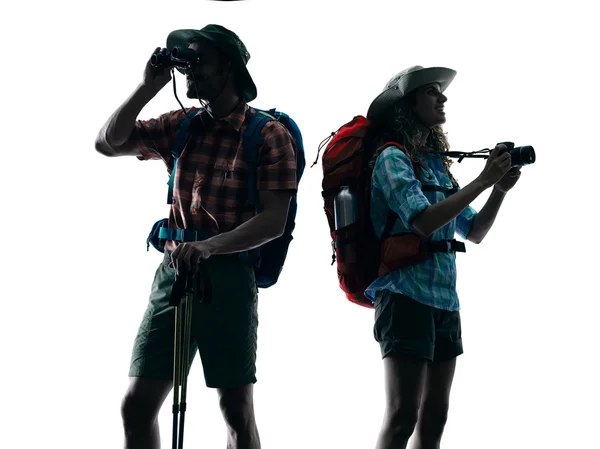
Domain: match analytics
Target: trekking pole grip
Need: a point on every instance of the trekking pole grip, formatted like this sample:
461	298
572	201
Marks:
191	280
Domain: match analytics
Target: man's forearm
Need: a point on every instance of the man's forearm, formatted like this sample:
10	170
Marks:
485	218
119	126
255	232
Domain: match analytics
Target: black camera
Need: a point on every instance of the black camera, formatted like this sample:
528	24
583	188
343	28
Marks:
519	156
180	58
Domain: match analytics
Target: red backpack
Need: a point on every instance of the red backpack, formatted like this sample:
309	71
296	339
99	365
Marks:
361	256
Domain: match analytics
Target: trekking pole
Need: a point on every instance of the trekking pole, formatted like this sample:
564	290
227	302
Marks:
177	371
190	290
183	326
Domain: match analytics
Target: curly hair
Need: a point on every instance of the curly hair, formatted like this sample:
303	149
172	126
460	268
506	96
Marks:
403	126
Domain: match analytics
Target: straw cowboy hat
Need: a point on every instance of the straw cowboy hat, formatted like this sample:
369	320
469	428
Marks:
405	82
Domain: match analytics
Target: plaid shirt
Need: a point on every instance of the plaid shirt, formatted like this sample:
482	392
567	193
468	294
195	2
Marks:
210	191
432	282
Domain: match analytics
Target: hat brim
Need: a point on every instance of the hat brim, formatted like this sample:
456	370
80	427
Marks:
386	99
182	39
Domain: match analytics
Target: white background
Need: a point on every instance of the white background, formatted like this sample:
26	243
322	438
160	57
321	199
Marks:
76	275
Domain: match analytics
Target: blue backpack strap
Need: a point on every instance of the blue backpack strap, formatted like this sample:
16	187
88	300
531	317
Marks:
180	140
294	131
183	235
252	140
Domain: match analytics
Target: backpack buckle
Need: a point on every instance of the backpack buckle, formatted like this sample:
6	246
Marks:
455	246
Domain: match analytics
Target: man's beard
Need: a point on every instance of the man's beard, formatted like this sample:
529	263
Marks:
197	91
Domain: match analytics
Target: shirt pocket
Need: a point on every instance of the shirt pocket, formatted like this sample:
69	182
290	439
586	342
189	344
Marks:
231	181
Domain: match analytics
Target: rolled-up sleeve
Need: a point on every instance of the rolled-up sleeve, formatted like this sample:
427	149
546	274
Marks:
155	137
464	222
402	190
277	160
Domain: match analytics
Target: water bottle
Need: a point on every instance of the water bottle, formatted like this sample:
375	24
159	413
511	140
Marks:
344	208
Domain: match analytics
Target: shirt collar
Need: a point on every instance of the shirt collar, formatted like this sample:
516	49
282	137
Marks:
236	117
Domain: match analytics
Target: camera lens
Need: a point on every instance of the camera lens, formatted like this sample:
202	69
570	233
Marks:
522	156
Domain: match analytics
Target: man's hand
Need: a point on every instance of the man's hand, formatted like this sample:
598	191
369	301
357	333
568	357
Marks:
187	254
155	78
508	181
260	229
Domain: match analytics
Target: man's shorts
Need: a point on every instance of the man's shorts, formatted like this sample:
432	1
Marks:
224	330
406	326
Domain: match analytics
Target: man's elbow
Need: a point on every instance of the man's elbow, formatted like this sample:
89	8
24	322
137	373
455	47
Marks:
278	228
103	148
274	225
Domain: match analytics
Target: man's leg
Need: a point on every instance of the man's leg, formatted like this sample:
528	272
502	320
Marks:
404	329
151	369
139	411
227	334
433	413
237	406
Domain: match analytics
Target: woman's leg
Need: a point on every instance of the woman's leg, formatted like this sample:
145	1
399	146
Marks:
435	401
404	380
405	330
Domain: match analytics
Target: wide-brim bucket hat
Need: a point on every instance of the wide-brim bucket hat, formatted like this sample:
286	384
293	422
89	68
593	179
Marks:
225	40
404	83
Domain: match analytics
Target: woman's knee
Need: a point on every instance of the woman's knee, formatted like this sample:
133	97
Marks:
433	417
402	419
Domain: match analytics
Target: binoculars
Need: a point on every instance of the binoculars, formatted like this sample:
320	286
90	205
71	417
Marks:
180	58
519	156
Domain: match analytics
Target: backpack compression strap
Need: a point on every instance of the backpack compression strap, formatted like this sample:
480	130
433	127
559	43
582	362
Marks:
180	140
252	140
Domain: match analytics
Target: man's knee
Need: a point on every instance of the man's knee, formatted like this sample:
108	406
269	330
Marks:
142	401
134	414
238	407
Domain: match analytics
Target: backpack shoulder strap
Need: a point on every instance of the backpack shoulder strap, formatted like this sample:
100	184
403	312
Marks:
252	140
180	140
